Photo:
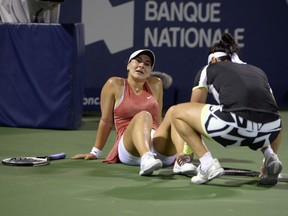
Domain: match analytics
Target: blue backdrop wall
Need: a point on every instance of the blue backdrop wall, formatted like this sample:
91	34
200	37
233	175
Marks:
180	33
41	75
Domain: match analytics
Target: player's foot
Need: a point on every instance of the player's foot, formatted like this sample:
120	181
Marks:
185	167
149	164
215	170
272	169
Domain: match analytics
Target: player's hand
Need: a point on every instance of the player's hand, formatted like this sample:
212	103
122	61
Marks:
261	171
84	156
183	158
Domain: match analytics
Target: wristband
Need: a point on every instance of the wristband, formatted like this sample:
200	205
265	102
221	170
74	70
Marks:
187	150
96	152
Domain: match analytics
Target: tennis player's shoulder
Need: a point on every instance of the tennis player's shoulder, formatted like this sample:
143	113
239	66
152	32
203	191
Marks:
155	82
115	82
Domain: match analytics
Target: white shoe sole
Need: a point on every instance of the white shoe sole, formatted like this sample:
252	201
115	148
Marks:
271	178
188	171
214	174
149	170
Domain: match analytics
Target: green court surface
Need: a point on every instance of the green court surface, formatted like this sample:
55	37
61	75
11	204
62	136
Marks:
78	187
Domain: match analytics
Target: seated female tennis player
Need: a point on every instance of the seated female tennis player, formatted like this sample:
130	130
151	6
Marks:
247	114
134	106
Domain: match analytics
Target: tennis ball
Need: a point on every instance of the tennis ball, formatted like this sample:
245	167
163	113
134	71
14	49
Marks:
187	150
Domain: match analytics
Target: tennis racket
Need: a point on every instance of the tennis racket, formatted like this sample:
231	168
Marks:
33	161
240	172
251	173
57	156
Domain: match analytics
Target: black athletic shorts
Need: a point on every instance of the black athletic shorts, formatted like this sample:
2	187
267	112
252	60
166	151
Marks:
229	129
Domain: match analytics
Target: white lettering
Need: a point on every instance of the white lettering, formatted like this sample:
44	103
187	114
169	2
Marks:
91	101
163	13
190	37
151	37
215	10
174	31
151	11
189	12
164	38
176	12
239	36
190	17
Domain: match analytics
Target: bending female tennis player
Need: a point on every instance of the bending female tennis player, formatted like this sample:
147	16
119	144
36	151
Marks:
247	114
134	105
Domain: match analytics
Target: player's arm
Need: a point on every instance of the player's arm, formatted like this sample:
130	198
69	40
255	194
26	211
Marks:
199	95
157	90
107	101
199	92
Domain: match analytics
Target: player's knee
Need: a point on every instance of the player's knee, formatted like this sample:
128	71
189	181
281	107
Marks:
175	113
144	116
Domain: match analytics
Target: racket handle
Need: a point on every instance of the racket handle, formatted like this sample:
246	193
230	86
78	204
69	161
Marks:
58	156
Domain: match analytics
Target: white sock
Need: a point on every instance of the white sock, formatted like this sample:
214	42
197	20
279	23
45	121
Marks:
206	160
268	151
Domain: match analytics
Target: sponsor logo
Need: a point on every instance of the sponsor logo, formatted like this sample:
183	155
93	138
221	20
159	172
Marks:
115	25
91	101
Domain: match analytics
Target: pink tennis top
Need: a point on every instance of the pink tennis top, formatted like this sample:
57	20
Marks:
129	105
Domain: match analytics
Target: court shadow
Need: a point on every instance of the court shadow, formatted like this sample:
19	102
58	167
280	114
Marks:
163	192
231	160
245	183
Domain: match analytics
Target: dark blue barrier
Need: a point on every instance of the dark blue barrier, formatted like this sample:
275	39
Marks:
41	75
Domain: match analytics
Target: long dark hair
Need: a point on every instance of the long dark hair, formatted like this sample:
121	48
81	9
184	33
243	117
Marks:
227	44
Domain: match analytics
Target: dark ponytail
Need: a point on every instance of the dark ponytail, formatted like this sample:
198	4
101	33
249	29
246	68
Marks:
227	44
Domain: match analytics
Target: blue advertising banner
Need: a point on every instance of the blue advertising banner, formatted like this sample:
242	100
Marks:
180	33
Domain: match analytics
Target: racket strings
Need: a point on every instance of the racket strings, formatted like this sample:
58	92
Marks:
26	159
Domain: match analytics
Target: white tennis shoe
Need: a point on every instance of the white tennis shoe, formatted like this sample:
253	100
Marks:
272	169
215	170
149	164
186	168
